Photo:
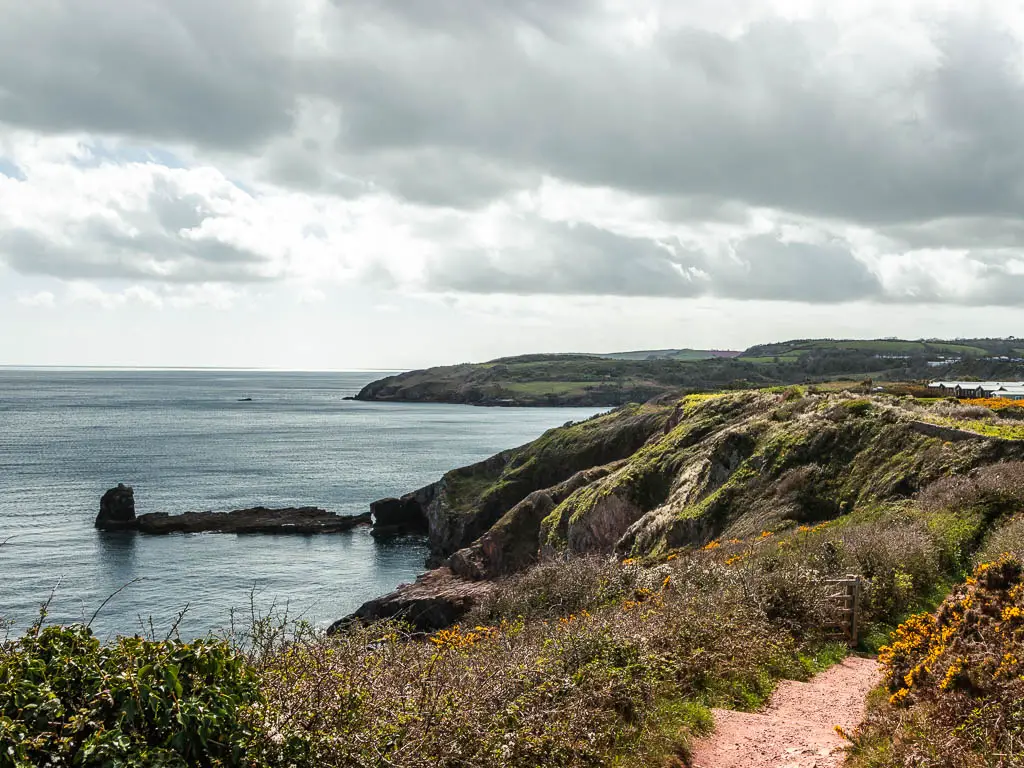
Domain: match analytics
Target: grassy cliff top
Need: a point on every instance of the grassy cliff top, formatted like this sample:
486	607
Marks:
581	380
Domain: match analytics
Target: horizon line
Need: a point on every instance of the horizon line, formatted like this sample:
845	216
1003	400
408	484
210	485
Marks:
197	368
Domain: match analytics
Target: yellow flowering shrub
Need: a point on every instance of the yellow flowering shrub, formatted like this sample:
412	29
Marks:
959	669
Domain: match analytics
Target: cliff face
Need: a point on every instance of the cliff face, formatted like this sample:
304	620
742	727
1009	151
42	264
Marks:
645	479
467	502
737	465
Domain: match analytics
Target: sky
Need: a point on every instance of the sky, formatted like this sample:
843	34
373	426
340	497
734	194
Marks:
338	184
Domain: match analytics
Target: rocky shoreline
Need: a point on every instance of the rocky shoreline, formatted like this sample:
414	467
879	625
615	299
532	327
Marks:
437	599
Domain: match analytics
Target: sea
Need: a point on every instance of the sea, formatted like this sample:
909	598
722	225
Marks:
190	440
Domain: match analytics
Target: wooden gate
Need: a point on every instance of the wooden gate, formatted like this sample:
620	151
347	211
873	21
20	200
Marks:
845	593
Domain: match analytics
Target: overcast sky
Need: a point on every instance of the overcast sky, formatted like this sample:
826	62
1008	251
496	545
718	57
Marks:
330	184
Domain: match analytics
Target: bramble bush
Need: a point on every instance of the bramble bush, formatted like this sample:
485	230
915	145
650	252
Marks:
618	680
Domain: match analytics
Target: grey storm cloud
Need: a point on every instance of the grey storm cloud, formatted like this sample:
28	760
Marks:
457	103
180	70
584	259
756	118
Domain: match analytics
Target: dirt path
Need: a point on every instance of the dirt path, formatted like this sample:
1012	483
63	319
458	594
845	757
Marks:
797	730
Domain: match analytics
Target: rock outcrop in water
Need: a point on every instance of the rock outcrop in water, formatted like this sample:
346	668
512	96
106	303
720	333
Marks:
255	520
117	513
117	509
398	516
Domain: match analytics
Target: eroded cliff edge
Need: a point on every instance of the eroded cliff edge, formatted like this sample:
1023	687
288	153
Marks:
645	479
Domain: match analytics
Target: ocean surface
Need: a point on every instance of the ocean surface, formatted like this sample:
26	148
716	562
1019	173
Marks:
185	441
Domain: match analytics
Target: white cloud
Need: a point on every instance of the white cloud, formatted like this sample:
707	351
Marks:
81	292
40	299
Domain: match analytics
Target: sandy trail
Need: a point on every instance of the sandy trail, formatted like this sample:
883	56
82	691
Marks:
797	730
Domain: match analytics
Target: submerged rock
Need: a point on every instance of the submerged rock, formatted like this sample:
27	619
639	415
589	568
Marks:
117	509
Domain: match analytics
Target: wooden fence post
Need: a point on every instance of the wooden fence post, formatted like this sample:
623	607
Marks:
855	616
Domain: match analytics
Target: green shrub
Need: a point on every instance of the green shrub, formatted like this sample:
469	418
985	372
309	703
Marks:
857	406
1008	539
559	588
65	699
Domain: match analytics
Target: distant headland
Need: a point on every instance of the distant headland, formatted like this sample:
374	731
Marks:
619	378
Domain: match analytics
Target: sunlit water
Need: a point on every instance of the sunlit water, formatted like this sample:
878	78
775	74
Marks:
186	442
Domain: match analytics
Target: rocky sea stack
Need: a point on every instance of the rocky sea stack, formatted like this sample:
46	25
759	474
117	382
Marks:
117	509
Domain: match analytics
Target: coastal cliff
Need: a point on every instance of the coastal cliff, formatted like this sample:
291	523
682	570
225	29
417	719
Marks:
467	502
679	473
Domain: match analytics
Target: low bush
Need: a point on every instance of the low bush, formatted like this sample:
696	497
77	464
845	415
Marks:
1007	539
66	699
993	490
559	588
629	672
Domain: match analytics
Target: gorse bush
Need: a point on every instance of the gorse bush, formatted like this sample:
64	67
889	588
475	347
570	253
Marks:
955	680
66	699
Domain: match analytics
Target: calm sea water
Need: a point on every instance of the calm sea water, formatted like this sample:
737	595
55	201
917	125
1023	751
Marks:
185	442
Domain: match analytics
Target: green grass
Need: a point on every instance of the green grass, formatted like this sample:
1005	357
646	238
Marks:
988	429
671	727
465	490
898	347
786	358
540	388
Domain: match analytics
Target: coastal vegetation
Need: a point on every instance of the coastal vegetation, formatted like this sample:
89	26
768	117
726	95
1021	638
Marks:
682	562
954	693
581	662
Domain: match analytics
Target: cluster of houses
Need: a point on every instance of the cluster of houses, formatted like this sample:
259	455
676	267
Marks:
1010	390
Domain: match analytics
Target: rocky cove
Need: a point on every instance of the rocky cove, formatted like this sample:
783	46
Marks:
638	481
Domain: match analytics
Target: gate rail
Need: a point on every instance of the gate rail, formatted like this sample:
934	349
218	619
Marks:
846	594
